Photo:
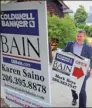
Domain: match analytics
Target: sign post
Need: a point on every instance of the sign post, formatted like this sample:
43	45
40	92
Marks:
24	49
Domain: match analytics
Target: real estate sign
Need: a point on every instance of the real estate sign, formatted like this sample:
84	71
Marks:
69	70
13	99
24	49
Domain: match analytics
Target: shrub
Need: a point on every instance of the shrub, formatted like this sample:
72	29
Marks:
86	41
90	31
86	28
62	29
81	25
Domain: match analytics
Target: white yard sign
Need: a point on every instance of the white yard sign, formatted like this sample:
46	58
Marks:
25	59
15	99
69	70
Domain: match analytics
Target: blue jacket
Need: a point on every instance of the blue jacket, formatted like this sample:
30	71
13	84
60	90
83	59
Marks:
86	51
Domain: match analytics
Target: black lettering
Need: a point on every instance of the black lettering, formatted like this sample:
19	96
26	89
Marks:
60	65
3	67
74	87
23	46
63	78
30	84
15	46
7	69
44	89
17	72
64	83
5	47
32	75
37	77
70	85
42	78
4	78
34	86
57	76
30	44
10	70
55	65
68	80
69	69
25	74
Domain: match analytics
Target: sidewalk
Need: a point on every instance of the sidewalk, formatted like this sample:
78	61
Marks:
61	97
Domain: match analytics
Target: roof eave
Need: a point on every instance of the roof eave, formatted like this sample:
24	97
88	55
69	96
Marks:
61	1
68	11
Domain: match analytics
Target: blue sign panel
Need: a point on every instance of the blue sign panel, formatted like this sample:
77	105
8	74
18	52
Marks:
64	59
22	63
23	22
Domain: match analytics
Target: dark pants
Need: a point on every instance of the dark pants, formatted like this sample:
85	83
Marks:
82	95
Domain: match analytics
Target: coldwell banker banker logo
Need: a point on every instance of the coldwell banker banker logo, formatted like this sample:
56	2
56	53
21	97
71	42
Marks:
64	59
20	22
63	64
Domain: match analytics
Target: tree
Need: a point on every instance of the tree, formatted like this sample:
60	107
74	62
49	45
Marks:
86	28
63	29
90	31
81	25
80	15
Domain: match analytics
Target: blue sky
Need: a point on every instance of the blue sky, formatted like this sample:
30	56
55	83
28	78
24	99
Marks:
75	4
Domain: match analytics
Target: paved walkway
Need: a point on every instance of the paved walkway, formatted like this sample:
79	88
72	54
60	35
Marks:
61	97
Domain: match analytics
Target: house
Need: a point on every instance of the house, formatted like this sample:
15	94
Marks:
89	20
58	7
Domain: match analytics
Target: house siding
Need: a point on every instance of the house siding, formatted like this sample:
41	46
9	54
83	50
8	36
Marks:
53	6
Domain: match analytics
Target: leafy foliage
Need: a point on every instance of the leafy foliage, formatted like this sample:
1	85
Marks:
62	29
81	25
80	15
88	30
